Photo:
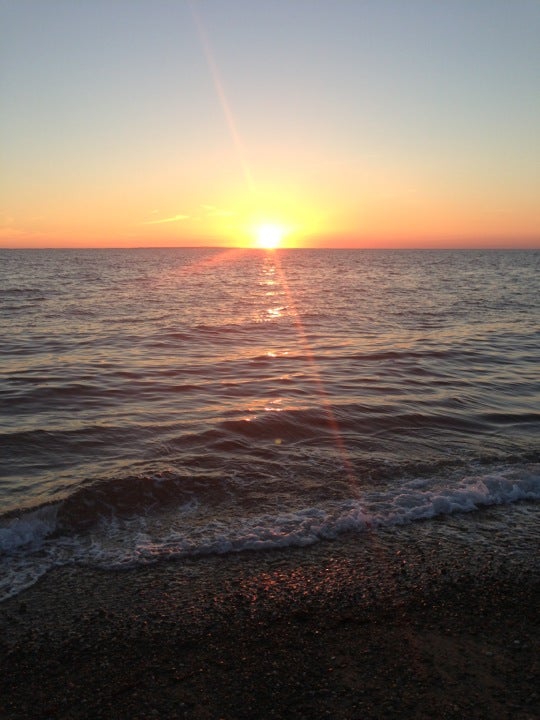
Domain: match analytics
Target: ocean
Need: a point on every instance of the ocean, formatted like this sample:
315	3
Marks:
160	404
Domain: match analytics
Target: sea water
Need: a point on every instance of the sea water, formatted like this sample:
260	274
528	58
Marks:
171	403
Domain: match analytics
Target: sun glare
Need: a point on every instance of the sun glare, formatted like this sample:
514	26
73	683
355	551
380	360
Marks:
269	236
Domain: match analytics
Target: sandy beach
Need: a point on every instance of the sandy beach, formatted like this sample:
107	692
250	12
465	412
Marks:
417	622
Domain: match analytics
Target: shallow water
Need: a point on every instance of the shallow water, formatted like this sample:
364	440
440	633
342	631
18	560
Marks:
175	402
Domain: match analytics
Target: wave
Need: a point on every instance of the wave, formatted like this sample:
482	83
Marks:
139	521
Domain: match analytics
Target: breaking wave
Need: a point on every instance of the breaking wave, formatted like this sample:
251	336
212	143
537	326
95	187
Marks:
94	526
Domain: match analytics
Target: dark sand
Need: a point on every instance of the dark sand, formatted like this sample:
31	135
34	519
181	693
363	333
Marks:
436	620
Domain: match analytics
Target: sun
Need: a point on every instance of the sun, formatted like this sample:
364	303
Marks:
269	236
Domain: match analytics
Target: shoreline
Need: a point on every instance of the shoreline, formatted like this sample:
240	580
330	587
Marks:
423	621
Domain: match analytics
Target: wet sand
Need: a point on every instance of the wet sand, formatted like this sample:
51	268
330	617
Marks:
435	620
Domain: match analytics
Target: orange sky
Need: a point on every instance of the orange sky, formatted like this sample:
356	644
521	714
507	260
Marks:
377	124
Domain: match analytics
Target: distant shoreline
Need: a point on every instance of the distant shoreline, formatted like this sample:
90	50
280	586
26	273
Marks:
371	248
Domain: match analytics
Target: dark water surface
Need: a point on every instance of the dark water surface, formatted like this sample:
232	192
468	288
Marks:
171	402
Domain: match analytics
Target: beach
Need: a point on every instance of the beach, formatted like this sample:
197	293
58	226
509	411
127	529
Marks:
424	621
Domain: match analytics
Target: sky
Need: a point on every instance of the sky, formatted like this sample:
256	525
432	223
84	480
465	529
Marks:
334	123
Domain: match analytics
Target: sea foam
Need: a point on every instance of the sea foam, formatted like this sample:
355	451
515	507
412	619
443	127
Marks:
30	544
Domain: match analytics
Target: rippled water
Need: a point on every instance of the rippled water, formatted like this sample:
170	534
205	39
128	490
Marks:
180	401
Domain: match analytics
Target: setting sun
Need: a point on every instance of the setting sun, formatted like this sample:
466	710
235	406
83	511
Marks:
269	236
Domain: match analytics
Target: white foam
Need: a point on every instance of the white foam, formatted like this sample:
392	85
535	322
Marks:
30	550
28	530
419	499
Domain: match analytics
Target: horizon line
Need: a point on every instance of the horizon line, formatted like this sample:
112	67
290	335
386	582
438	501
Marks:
413	248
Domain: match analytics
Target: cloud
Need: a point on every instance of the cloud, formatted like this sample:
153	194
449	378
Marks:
10	228
174	218
206	211
13	232
214	211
